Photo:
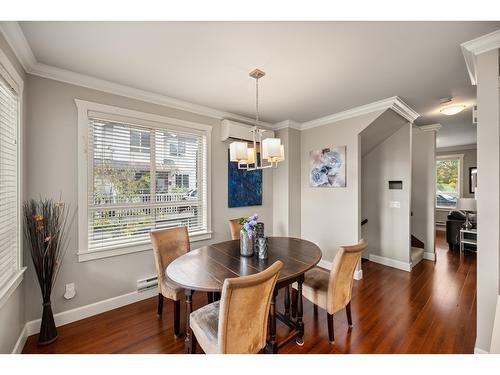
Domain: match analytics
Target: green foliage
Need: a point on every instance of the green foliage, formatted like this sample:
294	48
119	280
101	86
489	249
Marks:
447	175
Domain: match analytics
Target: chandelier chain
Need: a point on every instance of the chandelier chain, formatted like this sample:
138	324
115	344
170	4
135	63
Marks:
257	101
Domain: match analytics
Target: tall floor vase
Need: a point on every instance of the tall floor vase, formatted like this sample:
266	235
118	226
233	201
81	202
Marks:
48	331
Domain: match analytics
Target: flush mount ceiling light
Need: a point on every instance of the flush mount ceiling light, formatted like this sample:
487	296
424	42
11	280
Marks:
451	109
270	149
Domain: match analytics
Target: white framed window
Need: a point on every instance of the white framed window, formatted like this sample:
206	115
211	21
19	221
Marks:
11	264
130	183
448	180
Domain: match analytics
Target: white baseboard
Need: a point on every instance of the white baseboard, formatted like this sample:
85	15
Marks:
18	348
82	312
358	274
480	351
405	266
429	256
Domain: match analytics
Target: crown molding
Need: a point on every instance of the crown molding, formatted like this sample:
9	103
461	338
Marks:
395	103
287	124
471	146
17	41
429	128
475	47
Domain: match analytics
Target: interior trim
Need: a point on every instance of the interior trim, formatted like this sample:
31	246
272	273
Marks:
475	47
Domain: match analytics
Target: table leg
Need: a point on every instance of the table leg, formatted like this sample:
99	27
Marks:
287	301
300	313
272	345
189	310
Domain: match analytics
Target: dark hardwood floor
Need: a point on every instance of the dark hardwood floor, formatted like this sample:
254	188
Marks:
430	310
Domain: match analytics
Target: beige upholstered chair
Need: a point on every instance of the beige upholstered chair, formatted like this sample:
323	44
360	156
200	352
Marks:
169	244
238	322
332	290
235	227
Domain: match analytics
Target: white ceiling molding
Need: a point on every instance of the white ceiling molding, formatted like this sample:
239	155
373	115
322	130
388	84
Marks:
287	124
472	146
429	128
17	41
474	47
395	103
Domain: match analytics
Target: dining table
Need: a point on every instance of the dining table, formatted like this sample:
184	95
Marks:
205	269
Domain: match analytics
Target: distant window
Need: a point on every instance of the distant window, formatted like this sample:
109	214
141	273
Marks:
177	146
182	181
140	141
448	181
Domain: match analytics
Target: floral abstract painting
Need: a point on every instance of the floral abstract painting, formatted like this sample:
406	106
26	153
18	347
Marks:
327	167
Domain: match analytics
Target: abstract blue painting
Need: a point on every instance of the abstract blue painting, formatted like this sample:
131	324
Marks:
244	188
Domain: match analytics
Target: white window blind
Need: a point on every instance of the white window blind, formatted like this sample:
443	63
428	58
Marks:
9	203
136	184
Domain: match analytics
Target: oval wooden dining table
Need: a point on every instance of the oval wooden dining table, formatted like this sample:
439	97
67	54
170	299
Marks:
206	268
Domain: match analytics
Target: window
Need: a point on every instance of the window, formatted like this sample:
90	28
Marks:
177	145
10	257
132	184
139	141
182	181
448	177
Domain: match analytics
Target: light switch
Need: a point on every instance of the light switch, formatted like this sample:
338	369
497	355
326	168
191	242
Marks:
395	204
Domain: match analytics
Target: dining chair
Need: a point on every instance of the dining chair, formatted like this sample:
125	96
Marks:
235	227
169	244
237	323
332	290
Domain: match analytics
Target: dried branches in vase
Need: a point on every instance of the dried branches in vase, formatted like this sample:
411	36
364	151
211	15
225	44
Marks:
44	228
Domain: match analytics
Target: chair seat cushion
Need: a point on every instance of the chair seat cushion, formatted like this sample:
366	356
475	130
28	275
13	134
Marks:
315	286
204	323
171	290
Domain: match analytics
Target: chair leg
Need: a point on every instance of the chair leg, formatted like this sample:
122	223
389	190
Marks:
331	334
210	297
294	302
160	305
348	313
315	309
193	343
177	320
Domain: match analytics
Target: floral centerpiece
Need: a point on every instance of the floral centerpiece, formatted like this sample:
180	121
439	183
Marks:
46	236
247	233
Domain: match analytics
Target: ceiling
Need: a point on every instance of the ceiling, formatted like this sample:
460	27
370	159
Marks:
313	69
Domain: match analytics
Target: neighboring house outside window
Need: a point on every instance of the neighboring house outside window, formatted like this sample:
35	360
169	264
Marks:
136	185
448	180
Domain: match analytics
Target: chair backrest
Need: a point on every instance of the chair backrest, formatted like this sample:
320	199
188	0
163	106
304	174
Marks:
244	311
168	244
235	227
341	275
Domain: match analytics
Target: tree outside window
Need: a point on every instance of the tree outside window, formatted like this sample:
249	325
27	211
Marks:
447	182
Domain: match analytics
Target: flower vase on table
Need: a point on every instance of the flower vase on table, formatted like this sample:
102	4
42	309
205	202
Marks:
247	234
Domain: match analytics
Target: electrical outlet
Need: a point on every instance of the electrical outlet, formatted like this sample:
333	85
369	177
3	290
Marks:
70	291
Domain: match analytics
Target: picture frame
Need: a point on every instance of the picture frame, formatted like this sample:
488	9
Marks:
472	179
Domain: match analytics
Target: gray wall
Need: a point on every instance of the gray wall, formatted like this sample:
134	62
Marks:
470	160
13	310
52	170
423	187
286	186
488	204
388	229
330	217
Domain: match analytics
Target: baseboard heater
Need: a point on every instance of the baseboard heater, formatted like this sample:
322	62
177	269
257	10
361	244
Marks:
147	284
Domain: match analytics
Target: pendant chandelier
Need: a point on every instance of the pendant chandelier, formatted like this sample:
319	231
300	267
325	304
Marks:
270	149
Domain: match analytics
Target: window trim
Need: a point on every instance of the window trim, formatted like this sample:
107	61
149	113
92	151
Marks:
10	74
460	157
85	110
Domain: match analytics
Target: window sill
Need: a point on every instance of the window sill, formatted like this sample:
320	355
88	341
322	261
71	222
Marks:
446	209
84	256
11	286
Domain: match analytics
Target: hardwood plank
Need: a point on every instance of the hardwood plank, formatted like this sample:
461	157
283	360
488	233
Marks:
430	310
